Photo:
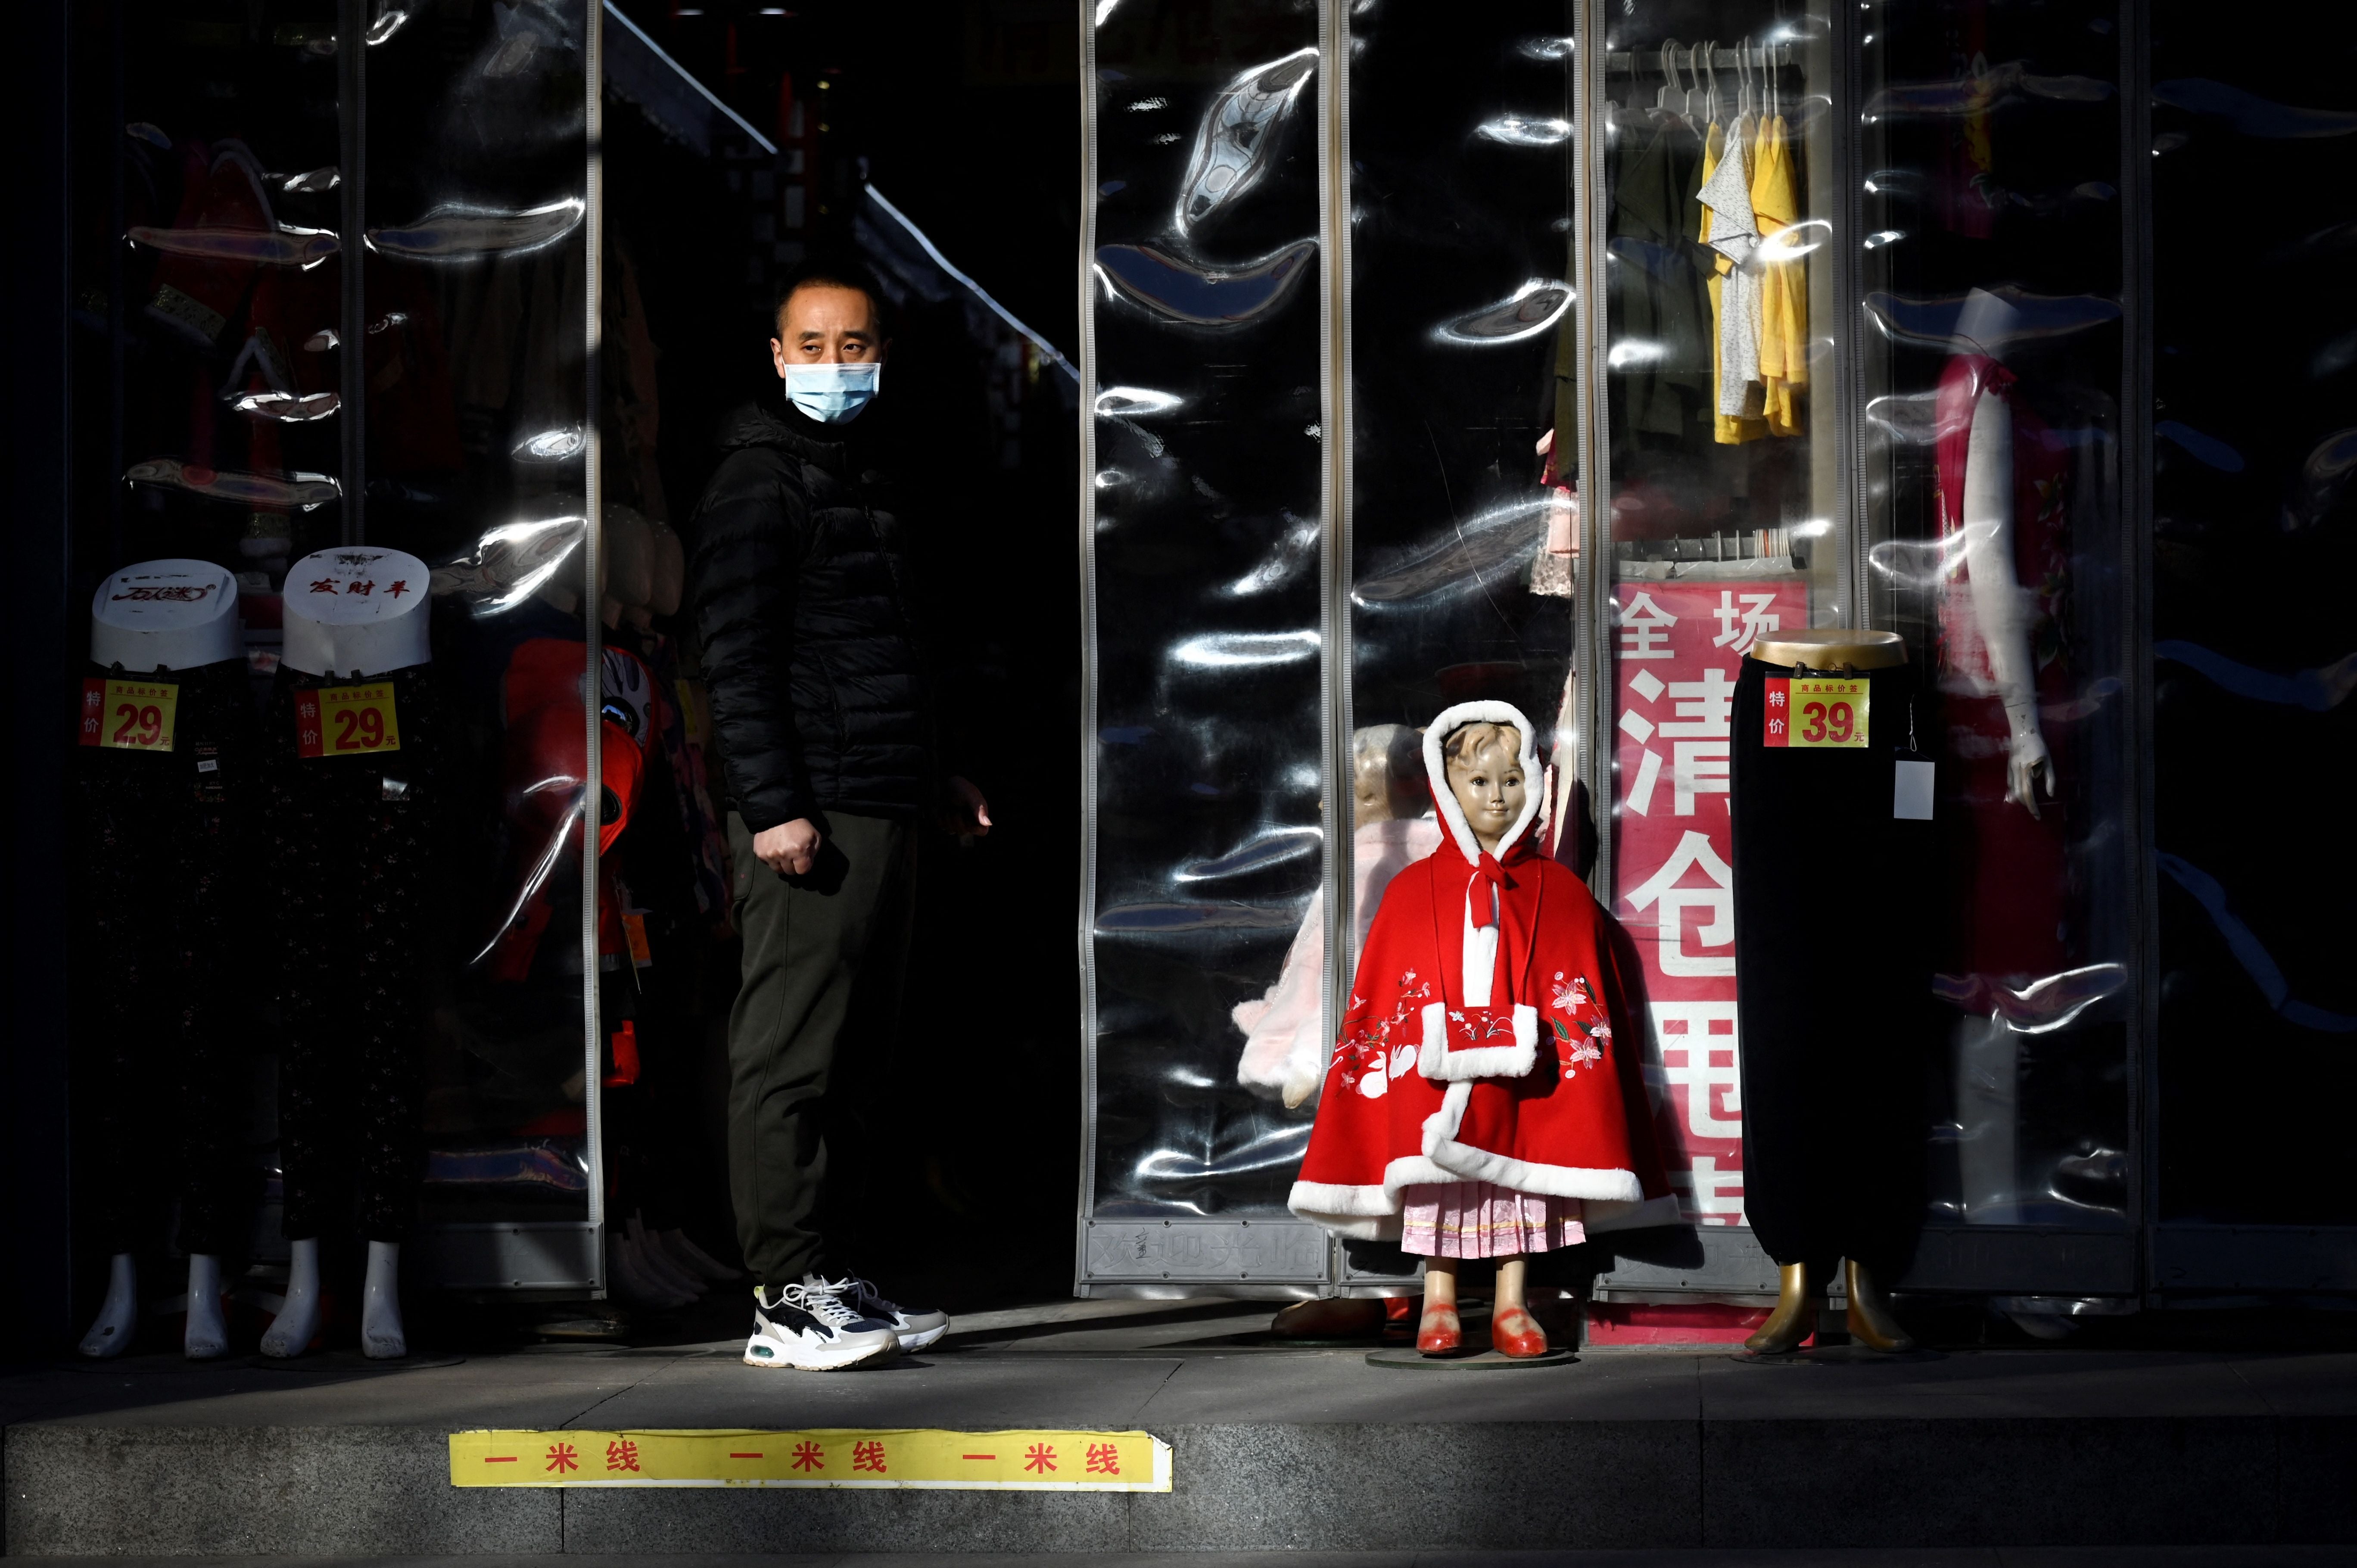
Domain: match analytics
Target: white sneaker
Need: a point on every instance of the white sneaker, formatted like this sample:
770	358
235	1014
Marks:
916	1327
810	1332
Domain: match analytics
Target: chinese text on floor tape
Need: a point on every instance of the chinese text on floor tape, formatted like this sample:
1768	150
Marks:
1002	1461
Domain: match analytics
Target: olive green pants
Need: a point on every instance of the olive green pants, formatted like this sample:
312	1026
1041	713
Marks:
816	949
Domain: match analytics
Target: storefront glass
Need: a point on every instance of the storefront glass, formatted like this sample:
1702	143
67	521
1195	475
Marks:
1722	516
2253	439
341	349
1207	560
1990	492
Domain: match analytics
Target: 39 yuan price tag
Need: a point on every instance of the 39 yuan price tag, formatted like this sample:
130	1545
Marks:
346	721
1816	712
129	715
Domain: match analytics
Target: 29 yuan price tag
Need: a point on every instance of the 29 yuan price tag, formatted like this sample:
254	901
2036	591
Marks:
129	715
346	721
1816	712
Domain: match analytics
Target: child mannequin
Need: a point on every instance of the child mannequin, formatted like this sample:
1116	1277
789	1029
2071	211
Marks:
1484	1101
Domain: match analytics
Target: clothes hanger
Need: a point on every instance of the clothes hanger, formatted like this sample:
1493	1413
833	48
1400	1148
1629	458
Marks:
1710	64
1669	79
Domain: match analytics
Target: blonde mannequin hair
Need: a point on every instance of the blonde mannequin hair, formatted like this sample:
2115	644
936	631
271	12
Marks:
1466	739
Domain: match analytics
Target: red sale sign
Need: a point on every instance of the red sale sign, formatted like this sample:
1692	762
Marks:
1677	647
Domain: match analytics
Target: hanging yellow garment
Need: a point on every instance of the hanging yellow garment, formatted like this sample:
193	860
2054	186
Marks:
1784	297
1727	430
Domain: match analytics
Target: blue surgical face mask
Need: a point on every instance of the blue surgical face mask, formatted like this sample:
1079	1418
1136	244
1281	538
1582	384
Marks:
832	394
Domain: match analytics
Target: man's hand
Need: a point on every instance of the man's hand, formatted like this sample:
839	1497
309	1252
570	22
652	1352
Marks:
969	813
789	848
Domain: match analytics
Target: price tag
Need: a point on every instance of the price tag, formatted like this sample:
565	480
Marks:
634	933
1816	712
129	715
346	721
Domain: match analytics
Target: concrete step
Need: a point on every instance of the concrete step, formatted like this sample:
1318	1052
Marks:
1668	1557
1272	1450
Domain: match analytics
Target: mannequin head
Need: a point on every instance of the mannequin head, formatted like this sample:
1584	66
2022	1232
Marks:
1485	774
1386	772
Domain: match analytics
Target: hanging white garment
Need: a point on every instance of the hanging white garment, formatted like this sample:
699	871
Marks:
1735	234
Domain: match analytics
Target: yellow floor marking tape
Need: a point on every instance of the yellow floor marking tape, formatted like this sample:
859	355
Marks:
979	1460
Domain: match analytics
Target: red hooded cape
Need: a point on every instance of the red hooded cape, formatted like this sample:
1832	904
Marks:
1542	1091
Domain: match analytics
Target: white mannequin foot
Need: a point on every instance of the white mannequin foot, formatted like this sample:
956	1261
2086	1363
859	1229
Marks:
291	1332
208	1332
381	1333
630	1279
118	1316
695	1258
659	1266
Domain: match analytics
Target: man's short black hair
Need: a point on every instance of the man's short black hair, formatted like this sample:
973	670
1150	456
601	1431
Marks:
833	271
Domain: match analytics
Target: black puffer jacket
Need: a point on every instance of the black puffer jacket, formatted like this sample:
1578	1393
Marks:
802	602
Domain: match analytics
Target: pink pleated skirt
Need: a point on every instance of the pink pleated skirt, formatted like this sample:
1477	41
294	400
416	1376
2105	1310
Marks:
1479	1219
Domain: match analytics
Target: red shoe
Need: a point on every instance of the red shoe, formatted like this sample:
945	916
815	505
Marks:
1517	1334
1440	1333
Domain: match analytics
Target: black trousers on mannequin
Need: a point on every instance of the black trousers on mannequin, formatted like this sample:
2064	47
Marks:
165	873
353	848
1832	900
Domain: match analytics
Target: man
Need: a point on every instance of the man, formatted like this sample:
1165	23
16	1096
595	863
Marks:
821	706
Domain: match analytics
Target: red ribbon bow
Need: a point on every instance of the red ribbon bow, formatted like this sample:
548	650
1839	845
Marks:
1485	869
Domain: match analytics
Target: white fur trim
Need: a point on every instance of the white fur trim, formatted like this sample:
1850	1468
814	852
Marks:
1463	1162
1441	1065
1452	815
1320	1198
1372	1213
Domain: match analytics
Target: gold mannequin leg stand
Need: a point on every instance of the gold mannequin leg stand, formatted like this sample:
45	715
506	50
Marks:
1870	1323
1795	1318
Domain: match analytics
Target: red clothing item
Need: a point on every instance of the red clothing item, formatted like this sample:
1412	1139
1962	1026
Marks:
1540	1092
2012	868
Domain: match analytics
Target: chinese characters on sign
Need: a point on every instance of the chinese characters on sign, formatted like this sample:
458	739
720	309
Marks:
1680	644
131	715
346	721
1824	712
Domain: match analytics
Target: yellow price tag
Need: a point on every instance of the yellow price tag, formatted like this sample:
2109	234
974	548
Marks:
346	721
129	715
1816	712
954	1461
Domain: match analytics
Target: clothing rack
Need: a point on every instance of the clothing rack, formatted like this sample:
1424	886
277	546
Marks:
1688	56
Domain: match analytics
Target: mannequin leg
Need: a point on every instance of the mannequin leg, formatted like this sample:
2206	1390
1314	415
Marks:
118	1315
1512	1330
381	1333
1795	1318
206	1335
1440	1333
1987	1107
297	1323
1870	1323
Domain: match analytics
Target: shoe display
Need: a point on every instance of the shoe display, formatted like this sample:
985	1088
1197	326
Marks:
917	1326
1516	1333
810	1331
